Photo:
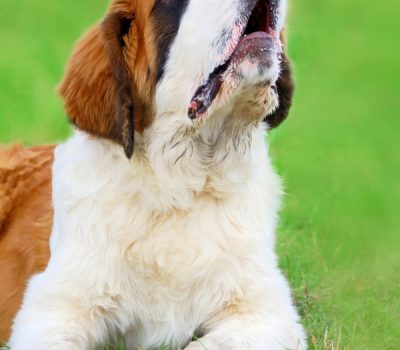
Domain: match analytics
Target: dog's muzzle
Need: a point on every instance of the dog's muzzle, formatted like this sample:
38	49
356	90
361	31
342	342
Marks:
258	44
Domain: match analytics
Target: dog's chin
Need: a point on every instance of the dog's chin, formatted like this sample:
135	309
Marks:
248	106
244	84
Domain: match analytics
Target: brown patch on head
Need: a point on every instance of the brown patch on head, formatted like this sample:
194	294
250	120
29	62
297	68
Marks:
285	88
109	83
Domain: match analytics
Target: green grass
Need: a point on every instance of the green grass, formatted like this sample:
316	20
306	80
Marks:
339	152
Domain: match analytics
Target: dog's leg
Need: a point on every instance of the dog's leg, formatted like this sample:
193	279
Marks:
247	333
58	314
256	321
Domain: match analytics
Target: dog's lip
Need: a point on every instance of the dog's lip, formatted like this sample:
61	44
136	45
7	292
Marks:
256	46
265	24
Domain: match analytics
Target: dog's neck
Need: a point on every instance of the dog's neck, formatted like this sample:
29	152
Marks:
175	163
216	160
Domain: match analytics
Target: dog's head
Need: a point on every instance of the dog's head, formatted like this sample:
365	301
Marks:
192	61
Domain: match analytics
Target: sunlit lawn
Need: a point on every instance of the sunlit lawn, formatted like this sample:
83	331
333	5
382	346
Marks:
339	153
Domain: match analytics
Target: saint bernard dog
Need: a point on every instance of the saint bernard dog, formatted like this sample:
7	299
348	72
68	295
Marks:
154	224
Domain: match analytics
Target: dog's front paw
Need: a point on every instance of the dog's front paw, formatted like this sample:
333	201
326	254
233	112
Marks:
202	344
36	344
24	345
34	339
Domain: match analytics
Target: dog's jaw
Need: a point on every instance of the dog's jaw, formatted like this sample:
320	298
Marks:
204	89
254	65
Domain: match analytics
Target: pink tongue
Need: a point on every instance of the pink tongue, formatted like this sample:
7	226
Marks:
254	46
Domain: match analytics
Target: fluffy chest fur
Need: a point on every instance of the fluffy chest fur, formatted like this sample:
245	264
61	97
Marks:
174	257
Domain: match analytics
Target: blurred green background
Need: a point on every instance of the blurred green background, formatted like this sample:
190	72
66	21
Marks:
339	152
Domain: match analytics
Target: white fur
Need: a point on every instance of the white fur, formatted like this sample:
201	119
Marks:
177	242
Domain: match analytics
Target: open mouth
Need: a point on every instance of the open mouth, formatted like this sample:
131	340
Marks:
256	40
264	17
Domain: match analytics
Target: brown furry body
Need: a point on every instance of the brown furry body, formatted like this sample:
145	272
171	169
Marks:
26	218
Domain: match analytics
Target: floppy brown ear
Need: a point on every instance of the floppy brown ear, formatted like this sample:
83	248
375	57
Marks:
97	88
285	88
